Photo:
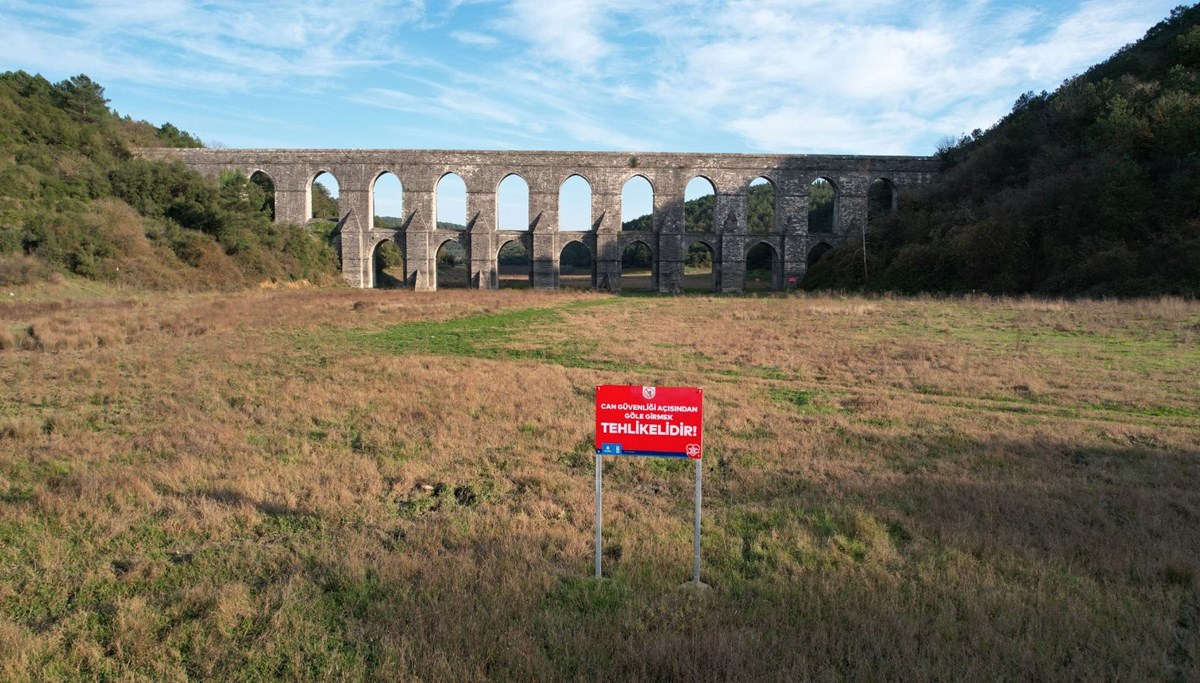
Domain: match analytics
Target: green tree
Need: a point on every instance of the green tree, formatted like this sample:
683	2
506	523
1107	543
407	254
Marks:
820	206
83	98
173	137
324	205
760	204
636	256
698	256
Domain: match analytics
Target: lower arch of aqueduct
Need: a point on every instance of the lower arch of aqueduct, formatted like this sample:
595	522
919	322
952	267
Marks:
293	171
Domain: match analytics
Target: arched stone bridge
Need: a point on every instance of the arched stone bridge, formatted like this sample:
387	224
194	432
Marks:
419	171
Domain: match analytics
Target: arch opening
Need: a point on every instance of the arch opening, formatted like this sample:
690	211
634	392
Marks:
387	201
764	269
575	266
450	203
512	203
575	205
323	198
267	185
637	268
453	266
514	266
699	200
637	204
881	198
387	266
822	206
760	205
699	273
818	252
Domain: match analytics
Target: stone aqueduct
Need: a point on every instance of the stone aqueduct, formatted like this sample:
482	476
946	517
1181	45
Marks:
419	171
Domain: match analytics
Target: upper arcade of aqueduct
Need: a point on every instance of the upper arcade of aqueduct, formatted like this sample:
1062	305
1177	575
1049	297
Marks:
293	170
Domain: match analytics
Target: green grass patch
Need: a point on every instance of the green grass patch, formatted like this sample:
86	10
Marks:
803	401
476	335
585	595
1147	411
503	335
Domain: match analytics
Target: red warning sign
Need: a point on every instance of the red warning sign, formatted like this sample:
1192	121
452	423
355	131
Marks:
665	422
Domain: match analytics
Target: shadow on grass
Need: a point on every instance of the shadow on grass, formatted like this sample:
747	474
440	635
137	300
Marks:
272	509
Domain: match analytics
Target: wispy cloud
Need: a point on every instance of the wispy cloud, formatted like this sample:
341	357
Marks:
882	76
566	31
444	102
219	44
786	76
474	38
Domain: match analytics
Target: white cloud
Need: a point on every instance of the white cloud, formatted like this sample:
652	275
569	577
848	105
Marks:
564	31
218	44
826	77
809	130
473	38
597	134
882	76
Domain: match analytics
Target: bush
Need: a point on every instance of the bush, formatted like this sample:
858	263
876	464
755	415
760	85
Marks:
19	269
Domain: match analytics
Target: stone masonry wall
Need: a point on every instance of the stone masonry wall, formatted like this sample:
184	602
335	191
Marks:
293	171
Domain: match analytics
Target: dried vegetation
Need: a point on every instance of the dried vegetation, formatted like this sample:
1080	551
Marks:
344	485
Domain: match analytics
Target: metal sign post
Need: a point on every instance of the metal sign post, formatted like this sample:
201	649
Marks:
696	535
599	506
661	422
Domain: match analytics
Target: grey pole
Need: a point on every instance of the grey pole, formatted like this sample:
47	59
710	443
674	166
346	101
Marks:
599	508
696	536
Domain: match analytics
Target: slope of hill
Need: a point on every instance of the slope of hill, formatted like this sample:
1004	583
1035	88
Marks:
74	201
1093	189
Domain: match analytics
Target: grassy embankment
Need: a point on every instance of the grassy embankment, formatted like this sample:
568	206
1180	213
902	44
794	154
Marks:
352	484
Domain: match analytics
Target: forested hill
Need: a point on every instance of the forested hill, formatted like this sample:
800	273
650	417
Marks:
74	202
1093	189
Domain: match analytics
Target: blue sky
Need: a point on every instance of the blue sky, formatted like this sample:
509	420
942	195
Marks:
836	76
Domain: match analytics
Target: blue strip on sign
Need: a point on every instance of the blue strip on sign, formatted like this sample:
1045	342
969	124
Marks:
644	454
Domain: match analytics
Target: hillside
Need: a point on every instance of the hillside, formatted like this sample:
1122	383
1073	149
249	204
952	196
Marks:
74	202
1093	189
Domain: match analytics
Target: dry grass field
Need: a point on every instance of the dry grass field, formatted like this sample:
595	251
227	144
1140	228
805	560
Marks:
339	485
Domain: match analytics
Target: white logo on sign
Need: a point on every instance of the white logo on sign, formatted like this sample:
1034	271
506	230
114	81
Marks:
693	450
647	392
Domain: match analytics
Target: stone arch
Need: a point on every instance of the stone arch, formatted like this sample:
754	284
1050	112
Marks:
818	252
573	270
637	203
512	203
764	267
882	198
267	184
823	197
761	195
388	265
699	263
452	264
575	204
386	202
639	266
699	205
512	266
450	202
324	200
